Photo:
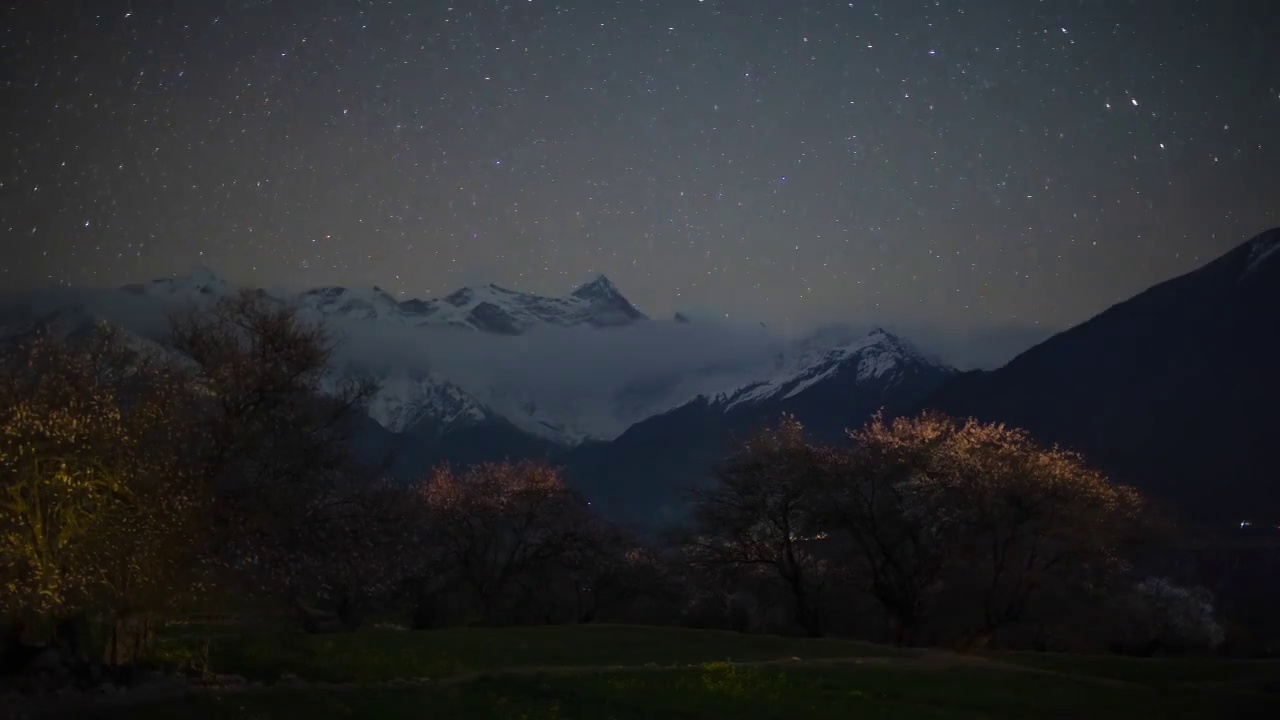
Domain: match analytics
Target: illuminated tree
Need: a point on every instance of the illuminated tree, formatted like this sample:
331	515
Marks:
1036	519
96	514
931	502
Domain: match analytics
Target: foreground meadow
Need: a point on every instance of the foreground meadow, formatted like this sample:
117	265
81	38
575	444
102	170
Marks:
624	672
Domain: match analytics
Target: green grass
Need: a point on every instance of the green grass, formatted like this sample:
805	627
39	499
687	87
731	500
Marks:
575	672
1157	672
746	693
374	655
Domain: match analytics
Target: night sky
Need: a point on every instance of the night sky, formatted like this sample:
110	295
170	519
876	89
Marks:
973	165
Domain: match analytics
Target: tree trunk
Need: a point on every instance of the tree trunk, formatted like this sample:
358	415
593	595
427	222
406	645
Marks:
425	610
132	640
809	618
807	613
903	627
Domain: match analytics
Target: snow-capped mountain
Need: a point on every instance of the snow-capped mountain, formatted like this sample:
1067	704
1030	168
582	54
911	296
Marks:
487	308
488	372
201	281
838	376
832	380
403	403
821	357
562	369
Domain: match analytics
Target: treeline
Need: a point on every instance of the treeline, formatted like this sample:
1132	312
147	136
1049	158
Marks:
219	472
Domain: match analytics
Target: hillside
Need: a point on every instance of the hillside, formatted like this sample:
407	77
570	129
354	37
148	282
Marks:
1175	390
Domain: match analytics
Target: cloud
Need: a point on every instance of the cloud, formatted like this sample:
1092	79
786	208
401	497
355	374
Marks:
593	380
576	358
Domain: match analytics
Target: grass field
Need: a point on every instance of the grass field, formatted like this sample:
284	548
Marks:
376	655
641	672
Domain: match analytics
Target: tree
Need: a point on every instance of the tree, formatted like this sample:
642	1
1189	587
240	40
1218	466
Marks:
270	439
607	568
930	502
887	497
1036	518
97	516
761	513
497	524
1173	617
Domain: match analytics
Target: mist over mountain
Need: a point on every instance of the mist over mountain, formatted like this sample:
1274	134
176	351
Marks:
587	365
637	407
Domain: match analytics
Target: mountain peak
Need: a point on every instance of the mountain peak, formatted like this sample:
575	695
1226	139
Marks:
609	307
598	287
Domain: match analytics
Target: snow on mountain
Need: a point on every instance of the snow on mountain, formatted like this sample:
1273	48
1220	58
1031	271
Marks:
495	309
404	402
821	356
370	323
584	366
363	304
200	281
487	308
564	418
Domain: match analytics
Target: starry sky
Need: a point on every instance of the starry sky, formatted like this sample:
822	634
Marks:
976	165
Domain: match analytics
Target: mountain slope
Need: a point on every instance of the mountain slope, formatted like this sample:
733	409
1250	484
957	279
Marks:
641	476
1176	390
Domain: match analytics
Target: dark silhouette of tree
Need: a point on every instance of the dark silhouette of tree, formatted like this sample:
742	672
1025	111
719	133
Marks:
271	441
761	513
497	524
900	526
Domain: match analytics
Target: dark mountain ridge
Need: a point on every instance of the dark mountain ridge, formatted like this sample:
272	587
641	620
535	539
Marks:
1176	390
